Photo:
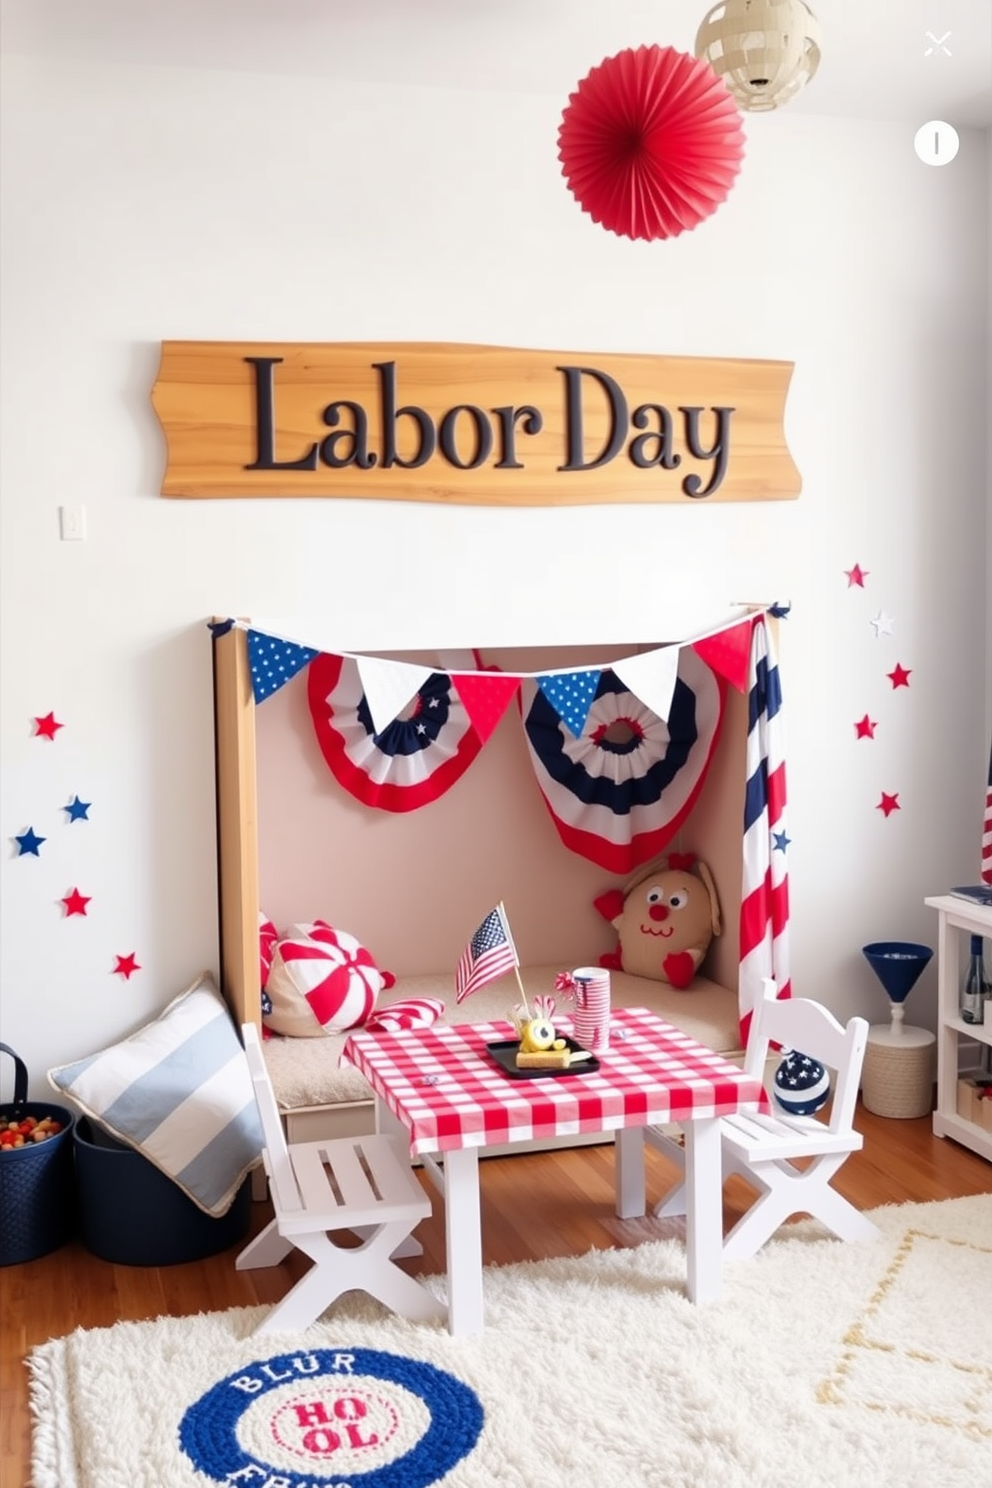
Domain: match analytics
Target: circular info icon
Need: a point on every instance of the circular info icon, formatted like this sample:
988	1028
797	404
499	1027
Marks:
936	143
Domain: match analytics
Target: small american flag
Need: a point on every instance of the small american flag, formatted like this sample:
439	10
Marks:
987	831
488	954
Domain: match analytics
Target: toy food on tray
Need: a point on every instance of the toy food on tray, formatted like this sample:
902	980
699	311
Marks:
540	1045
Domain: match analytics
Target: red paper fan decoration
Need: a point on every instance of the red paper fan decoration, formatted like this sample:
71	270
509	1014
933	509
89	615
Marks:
650	142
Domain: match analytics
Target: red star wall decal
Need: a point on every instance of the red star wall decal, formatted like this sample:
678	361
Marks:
45	727
856	575
899	676
75	903
888	804
126	966
865	728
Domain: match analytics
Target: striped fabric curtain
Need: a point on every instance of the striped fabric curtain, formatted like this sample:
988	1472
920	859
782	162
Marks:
986	853
764	924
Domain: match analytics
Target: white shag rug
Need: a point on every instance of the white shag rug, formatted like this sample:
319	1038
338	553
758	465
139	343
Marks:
852	1366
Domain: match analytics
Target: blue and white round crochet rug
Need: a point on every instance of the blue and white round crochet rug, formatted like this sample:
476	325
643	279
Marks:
327	1418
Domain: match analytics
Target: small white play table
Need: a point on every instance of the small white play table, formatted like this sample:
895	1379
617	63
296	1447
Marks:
450	1099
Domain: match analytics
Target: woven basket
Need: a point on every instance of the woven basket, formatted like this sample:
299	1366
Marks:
897	1079
37	1190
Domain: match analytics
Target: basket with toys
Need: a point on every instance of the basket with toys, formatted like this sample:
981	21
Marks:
37	1188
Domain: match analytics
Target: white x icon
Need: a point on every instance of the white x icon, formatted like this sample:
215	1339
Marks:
938	44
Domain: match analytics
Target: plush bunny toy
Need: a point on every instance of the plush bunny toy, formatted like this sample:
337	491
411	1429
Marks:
665	915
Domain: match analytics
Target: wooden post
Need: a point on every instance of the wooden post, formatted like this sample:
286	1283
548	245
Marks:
236	787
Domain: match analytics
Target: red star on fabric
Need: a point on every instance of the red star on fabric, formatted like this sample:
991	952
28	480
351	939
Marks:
865	727
126	966
45	727
856	575
75	903
899	677
888	804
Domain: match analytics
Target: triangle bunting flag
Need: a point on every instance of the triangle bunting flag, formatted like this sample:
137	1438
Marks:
389	686
651	676
485	697
273	662
571	695
728	653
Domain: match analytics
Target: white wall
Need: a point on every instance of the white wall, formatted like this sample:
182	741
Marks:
143	204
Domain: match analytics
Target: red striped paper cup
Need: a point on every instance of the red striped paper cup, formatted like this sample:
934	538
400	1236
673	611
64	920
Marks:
591	1019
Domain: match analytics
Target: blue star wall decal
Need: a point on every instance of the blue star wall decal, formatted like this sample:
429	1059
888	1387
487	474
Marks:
29	842
78	809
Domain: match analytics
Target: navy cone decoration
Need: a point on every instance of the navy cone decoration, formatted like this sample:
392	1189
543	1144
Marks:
898	964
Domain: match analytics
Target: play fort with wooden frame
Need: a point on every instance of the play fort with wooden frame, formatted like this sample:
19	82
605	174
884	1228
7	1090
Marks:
295	846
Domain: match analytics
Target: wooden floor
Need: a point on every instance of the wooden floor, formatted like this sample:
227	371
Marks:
547	1204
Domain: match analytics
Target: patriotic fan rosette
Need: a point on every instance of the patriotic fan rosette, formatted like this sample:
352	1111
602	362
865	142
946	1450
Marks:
414	759
619	789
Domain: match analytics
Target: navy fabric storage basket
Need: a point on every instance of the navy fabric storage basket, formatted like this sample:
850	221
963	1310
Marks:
37	1199
132	1214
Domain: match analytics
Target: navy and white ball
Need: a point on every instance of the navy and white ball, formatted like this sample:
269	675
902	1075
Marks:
802	1085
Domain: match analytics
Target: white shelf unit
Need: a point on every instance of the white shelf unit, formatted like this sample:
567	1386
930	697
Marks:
957	918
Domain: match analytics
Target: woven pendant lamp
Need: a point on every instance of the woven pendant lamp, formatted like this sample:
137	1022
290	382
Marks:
766	51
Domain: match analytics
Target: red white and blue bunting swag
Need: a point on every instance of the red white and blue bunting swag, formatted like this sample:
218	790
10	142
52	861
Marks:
620	750
413	759
619	787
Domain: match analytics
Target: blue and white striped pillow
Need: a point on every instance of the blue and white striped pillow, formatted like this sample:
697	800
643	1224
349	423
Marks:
179	1092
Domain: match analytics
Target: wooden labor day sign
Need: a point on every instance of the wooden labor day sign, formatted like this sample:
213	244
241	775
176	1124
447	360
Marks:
422	421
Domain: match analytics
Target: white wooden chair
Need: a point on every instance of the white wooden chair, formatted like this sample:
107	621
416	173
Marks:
362	1184
789	1159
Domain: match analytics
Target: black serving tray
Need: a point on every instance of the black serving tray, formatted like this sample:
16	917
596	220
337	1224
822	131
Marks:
505	1055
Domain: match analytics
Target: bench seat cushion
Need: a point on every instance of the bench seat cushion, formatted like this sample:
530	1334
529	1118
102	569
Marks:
305	1071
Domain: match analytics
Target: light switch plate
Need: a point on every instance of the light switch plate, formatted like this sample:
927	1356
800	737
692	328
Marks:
72	523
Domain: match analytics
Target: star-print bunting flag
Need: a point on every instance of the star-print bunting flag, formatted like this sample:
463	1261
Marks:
274	662
764	921
29	843
485	697
487	956
571	695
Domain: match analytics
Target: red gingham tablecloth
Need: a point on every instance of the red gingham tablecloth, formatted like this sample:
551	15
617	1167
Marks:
450	1093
